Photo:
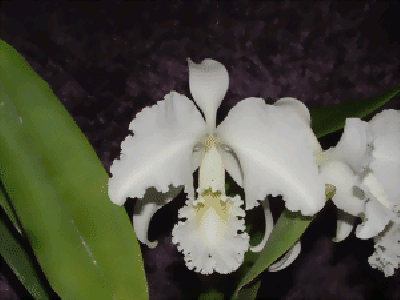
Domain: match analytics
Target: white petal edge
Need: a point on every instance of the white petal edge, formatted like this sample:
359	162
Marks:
386	257
352	147
268	141
345	225
269	225
160	152
385	165
227	255
343	178
231	166
145	209
298	106
287	259
377	217
208	83
375	190
197	157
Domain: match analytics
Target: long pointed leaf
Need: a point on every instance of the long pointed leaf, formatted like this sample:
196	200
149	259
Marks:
56	243
288	229
77	175
18	260
9	211
330	118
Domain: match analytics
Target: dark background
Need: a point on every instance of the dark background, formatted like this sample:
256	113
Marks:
107	60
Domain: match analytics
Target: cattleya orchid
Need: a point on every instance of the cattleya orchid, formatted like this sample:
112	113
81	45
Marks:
266	149
365	169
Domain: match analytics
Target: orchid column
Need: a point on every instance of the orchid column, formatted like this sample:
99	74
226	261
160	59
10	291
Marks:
210	238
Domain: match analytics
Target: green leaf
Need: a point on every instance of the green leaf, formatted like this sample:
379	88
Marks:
250	291
330	118
212	294
56	243
286	232
9	211
17	259
78	180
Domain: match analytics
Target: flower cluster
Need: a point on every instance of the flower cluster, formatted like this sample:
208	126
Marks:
266	149
365	169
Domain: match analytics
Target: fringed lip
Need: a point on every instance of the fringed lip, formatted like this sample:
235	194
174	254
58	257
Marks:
212	236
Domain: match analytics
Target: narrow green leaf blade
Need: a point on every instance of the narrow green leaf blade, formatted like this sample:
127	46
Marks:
78	176
9	211
288	229
45	219
250	292
212	294
330	118
17	259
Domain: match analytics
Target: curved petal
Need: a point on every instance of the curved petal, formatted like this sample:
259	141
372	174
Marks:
345	225
374	189
377	217
197	158
287	259
208	83
145	209
209	237
276	150
386	160
296	105
386	257
352	147
269	225
160	152
343	178
232	165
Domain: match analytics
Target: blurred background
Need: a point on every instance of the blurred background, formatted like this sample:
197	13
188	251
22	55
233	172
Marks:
107	60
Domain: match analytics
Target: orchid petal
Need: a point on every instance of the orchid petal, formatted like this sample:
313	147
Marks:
385	165
145	209
197	157
208	83
374	189
386	257
208	242
232	166
345	225
276	149
287	259
377	217
269	225
297	105
160	152
343	178
352	147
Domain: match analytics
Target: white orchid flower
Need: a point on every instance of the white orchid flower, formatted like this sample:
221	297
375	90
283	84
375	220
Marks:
266	149
365	169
